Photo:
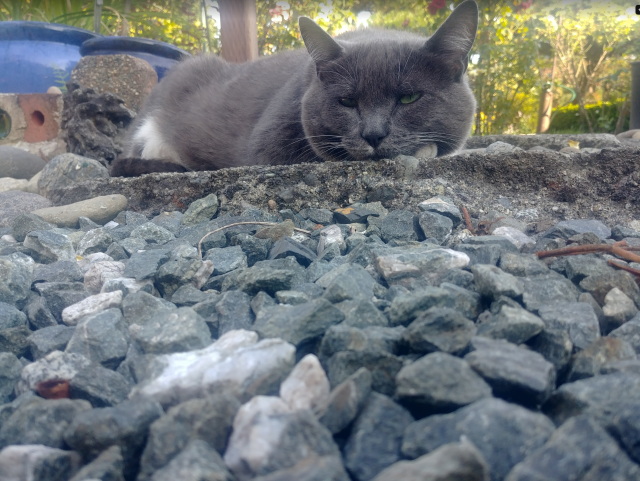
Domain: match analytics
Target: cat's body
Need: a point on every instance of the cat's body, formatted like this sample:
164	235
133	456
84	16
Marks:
365	95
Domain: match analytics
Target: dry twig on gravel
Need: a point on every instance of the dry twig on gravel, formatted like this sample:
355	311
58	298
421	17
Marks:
242	223
620	249
467	220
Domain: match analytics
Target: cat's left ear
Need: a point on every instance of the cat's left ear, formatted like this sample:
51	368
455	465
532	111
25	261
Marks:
319	43
455	37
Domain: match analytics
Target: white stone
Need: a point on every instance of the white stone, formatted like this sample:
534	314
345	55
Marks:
330	235
256	432
8	238
129	284
32	185
527	215
519	239
434	200
429	151
23	260
618	307
9	183
99	272
236	362
55	365
18	462
635	225
91	305
502	148
203	273
299	236
307	386
329	277
91	239
111	225
84	263
401	266
459	237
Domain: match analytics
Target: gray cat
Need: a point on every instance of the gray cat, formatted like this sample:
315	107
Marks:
363	95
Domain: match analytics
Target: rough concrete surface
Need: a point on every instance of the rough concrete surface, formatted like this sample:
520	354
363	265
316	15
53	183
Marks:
550	141
536	187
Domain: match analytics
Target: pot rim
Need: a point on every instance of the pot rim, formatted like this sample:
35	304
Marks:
20	30
133	44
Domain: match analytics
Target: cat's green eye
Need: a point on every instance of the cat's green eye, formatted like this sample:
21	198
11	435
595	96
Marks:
348	102
408	99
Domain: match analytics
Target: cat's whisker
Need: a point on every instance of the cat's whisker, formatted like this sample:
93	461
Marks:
350	74
306	138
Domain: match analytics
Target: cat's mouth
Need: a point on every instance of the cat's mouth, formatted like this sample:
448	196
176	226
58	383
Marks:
369	153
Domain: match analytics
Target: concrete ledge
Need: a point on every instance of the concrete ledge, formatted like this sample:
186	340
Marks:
551	141
534	186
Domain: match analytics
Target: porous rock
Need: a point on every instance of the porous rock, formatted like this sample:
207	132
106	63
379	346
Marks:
504	433
376	437
90	305
208	419
514	373
307	386
236	364
268	437
579	449
15	203
66	169
439	383
452	461
35	462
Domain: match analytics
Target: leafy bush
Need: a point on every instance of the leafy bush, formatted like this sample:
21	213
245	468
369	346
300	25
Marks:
604	116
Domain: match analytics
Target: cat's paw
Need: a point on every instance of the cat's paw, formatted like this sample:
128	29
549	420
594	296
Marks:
133	167
429	151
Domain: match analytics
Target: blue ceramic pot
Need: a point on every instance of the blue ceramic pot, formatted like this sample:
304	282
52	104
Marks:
37	55
162	56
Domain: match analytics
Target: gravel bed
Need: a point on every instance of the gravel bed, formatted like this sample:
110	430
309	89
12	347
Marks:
383	344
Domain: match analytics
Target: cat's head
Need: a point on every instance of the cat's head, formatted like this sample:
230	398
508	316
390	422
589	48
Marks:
378	94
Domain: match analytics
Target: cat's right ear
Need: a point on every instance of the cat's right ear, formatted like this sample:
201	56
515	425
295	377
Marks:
320	45
455	37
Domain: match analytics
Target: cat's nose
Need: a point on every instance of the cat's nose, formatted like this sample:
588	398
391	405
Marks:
374	138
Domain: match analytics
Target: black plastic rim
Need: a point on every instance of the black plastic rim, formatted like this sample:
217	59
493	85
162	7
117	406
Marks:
5	124
133	44
44	32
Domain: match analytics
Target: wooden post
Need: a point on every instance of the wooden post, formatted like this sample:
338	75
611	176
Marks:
546	96
124	31
544	110
238	30
97	16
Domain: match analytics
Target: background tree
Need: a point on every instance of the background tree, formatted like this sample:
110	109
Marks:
278	21
178	22
593	45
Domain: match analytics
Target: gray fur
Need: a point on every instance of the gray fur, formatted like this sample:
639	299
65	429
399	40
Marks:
285	109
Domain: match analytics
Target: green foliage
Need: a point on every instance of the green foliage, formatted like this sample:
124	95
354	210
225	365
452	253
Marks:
593	42
178	22
61	77
409	15
278	21
604	114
